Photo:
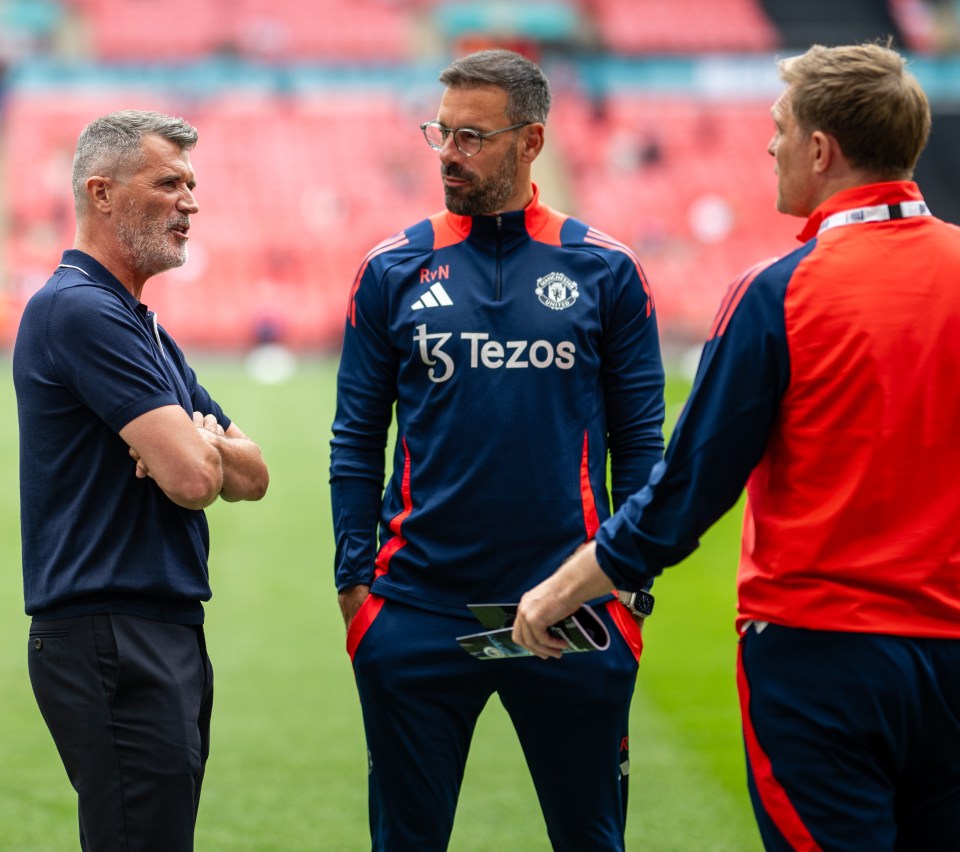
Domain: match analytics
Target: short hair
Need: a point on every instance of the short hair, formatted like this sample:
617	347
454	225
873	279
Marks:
864	97
111	146
527	88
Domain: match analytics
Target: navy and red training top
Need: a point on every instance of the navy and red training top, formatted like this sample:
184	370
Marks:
829	386
519	349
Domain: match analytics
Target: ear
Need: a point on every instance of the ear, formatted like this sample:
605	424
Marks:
531	142
100	193
825	151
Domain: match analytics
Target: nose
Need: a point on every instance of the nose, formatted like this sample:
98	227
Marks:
187	202
772	146
449	152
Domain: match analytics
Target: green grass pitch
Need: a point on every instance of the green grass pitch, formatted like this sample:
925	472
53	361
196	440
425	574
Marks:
288	764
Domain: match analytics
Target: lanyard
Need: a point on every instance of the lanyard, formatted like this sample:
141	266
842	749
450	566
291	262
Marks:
880	213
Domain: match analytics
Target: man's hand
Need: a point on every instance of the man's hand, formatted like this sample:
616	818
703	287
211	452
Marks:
351	599
579	579
540	608
193	459
141	470
245	475
167	448
207	423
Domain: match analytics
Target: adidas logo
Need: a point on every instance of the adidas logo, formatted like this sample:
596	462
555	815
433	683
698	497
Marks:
433	298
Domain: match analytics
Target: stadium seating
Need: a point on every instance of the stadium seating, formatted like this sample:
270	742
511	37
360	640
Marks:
294	190
685	183
292	194
309	152
693	26
176	30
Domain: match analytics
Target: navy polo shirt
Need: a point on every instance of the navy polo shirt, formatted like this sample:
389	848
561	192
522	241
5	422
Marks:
90	358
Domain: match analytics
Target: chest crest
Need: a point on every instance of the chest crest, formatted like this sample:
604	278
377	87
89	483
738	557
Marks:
556	291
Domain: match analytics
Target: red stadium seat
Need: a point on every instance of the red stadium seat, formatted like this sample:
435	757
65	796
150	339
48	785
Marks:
693	26
698	212
132	30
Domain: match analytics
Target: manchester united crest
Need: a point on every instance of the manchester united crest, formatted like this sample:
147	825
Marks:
556	291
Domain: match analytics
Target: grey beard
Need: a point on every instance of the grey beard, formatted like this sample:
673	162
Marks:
147	251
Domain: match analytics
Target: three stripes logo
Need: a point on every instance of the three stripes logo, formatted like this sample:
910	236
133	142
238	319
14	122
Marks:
435	297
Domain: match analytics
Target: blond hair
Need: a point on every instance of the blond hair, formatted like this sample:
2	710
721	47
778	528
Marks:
864	97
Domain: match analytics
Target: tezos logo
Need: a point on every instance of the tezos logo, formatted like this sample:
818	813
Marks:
556	291
479	351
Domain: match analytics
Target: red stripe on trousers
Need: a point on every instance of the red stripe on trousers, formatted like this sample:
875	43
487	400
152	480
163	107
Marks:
774	798
368	611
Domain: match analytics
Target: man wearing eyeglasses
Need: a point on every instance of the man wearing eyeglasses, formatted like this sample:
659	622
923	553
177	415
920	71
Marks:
520	347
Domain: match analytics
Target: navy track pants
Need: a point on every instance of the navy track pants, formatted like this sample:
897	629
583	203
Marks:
852	740
421	695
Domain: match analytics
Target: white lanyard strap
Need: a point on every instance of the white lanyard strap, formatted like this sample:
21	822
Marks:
880	213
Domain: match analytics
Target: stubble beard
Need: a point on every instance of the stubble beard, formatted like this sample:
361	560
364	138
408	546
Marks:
145	242
482	196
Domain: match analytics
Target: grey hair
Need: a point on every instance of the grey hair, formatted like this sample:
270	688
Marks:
111	146
527	88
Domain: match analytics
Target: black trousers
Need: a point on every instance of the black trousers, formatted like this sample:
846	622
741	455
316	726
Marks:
128	702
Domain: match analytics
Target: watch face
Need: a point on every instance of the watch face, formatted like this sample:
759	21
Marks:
643	603
640	603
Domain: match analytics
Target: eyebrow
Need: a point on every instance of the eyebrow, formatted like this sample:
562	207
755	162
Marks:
163	177
477	126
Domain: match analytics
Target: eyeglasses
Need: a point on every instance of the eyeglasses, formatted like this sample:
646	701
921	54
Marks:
467	140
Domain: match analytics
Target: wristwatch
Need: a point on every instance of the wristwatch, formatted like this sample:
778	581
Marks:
639	603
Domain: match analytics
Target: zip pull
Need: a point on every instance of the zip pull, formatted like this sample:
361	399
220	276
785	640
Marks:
499	282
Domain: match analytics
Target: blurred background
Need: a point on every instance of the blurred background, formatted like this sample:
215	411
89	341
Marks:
309	151
309	155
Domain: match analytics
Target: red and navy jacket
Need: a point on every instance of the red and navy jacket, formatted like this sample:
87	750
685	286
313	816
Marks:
518	350
829	386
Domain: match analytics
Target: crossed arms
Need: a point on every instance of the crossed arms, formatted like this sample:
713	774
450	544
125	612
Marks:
195	461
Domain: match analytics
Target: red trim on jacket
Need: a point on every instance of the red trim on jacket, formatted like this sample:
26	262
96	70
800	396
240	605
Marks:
598	238
591	519
393	242
628	627
396	523
733	297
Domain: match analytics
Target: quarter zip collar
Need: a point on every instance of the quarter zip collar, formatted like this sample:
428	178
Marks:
504	227
502	232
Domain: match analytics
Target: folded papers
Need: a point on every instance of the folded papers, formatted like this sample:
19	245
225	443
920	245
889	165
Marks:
583	631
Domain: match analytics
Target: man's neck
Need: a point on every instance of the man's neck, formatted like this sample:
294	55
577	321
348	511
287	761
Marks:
110	258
